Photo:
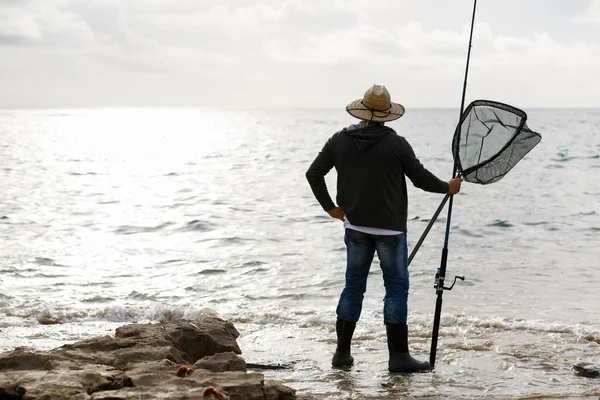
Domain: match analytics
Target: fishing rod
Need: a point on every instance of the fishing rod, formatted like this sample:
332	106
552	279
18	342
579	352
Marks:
440	275
462	109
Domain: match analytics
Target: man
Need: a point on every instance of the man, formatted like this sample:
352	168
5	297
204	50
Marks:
371	162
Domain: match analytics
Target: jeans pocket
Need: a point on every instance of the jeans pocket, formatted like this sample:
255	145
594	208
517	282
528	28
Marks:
389	241
356	237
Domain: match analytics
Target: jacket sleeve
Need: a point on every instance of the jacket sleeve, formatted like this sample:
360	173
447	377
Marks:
316	176
417	173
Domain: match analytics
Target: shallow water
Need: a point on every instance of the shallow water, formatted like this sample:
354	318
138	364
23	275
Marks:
114	216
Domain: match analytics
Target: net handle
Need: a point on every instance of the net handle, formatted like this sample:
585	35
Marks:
430	224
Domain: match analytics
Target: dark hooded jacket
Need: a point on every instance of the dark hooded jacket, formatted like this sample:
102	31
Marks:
371	164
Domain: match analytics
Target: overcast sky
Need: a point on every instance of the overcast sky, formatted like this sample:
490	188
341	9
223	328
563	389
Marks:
296	53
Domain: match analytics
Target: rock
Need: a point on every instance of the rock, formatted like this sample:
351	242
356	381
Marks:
140	362
179	341
277	391
20	359
222	362
588	370
45	320
205	337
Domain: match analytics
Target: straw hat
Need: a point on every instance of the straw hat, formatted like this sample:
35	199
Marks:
376	105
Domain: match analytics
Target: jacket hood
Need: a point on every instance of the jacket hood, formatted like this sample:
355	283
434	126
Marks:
366	136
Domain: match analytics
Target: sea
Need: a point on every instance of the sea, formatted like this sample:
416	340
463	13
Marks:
115	216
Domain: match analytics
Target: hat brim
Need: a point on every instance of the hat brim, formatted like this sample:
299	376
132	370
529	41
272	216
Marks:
358	110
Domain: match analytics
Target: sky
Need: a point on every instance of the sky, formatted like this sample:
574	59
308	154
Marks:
296	53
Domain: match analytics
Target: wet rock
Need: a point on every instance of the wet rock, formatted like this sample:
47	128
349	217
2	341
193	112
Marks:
222	362
588	370
140	362
277	391
205	337
48	320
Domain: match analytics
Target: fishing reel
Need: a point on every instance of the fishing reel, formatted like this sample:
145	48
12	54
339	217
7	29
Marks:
439	282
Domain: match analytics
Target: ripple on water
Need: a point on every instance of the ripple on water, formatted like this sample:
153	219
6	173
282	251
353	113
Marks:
236	240
253	263
170	262
563	157
211	271
255	271
197	225
82	173
97	299
141	296
132	230
46	262
471	345
470	233
535	223
108	202
499	223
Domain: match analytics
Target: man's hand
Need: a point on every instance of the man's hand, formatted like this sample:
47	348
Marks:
336	212
454	186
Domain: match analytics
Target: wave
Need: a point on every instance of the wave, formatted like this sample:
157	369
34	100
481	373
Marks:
118	314
421	324
488	345
462	322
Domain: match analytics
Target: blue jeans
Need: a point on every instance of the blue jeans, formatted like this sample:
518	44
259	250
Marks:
393	256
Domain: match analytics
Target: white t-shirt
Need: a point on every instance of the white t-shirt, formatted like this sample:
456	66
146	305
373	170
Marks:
371	231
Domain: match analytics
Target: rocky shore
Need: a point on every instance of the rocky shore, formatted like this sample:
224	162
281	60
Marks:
173	360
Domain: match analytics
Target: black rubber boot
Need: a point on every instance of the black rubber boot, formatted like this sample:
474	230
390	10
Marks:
342	357
400	359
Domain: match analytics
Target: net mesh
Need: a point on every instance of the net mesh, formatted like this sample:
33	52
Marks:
490	140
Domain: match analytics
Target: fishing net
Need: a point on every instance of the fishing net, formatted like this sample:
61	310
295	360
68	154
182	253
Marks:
490	139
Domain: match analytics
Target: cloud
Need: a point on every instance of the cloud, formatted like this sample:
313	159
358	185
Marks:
237	51
591	15
18	27
41	23
433	51
92	29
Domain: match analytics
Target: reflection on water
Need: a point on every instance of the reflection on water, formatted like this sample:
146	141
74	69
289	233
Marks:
113	216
